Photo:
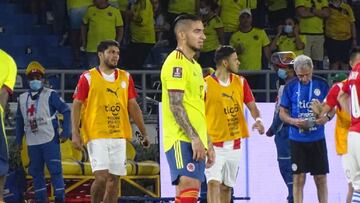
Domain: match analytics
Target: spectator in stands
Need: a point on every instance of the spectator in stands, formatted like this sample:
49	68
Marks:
161	23
76	10
307	139
106	129
174	9
288	38
250	43
36	119
312	14
7	82
278	10
142	33
355	5
101	22
340	34
39	8
214	32
229	14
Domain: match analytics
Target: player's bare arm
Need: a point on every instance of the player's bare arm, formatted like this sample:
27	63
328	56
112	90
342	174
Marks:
136	115
75	121
255	113
181	117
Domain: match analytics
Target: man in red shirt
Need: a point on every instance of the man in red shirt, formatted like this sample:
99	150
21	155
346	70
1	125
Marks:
351	88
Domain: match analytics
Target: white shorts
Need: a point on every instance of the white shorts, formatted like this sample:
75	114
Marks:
226	165
347	166
354	158
108	154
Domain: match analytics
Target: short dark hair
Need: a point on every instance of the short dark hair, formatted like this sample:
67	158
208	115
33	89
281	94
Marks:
223	52
353	53
103	45
183	17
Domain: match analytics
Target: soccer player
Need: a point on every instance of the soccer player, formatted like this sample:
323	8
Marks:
344	135
229	92
183	111
283	63
36	119
7	82
307	139
103	100
351	88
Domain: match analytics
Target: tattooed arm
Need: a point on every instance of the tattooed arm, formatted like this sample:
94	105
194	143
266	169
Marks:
181	117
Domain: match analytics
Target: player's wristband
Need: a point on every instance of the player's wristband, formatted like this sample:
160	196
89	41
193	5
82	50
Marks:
258	119
329	117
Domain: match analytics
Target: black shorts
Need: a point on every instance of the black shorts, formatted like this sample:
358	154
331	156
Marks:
338	50
309	157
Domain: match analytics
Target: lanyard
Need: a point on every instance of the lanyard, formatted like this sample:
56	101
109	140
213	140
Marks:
299	92
27	105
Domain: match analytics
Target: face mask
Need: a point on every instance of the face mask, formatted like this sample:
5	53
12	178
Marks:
288	29
35	85
204	11
282	73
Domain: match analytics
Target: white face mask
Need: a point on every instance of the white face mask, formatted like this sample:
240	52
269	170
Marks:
204	11
288	29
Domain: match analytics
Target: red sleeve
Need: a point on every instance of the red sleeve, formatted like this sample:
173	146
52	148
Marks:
346	87
82	88
248	95
131	90
331	98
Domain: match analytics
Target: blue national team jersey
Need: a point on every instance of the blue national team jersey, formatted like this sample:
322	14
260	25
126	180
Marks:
296	98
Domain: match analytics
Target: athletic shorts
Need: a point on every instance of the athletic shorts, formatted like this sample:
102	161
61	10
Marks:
309	157
354	158
226	166
4	155
338	50
181	163
348	166
108	154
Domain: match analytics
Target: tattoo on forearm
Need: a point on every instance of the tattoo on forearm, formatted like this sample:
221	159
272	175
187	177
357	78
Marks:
181	117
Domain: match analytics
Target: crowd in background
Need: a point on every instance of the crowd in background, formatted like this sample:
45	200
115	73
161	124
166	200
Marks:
324	30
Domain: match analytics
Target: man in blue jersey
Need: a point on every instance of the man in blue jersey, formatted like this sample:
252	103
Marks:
307	139
36	119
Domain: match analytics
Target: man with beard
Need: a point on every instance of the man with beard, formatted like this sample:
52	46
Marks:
183	111
103	100
228	91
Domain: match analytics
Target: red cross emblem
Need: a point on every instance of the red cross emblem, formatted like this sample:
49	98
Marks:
31	110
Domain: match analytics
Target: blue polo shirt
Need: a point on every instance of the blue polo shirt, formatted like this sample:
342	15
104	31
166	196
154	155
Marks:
296	98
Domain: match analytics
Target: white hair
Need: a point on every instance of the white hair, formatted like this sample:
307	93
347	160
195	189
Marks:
303	62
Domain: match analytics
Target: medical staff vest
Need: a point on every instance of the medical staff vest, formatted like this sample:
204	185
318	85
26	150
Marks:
105	113
38	110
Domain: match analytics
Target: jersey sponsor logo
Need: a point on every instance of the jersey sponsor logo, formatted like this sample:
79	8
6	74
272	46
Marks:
108	90
114	109
177	72
190	167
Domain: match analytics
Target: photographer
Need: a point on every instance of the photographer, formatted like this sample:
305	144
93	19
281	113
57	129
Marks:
307	139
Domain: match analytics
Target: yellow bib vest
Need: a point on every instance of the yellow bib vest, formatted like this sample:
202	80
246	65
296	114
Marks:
224	108
105	112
